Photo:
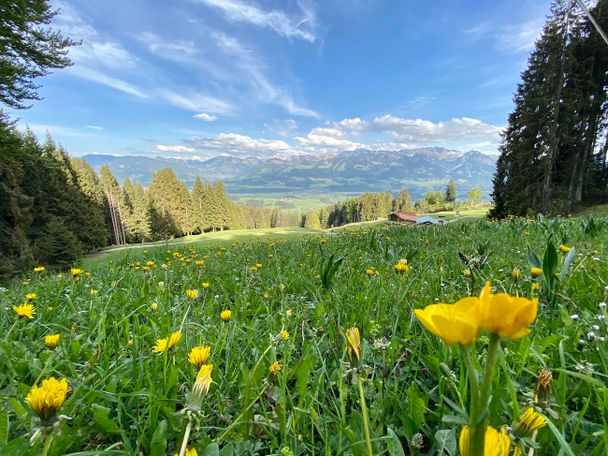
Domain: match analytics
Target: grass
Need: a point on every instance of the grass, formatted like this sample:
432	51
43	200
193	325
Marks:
124	399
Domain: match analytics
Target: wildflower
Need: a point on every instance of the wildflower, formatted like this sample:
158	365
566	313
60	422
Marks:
466	272
52	340
275	368
254	268
402	266
284	335
199	356
192	294
353	344
574	317
226	315
535	287
543	384
146	268
25	311
529	422
167	343
39	269
199	262
206	285
505	315
536	272
497	443
281	287
190	451
602	305
457	323
31	296
202	383
48	398
371	272
76	272
258	265
564	249
516	273
266	295
289	312
154	307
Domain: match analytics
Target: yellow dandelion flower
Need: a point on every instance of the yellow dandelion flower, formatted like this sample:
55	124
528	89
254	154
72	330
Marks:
48	398
192	294
76	272
150	263
199	262
536	272
353	344
529	422
289	312
203	380
154	307
39	269
535	287
199	356
284	335
516	273
258	265
281	287
275	368
402	266
31	296
456	323
25	311
190	451
466	273
226	315
564	249
506	315
167	343
52	340
206	285
497	443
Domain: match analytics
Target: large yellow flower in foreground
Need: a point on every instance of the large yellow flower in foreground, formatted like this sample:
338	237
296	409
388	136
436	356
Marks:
199	356
25	311
456	323
167	343
497	443
190	451
48	398
505	315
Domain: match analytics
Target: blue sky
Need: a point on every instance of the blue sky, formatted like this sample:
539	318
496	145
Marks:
199	78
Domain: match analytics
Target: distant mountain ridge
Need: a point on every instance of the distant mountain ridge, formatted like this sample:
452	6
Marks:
355	171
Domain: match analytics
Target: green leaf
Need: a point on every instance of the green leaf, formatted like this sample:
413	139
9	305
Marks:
446	439
4	426
393	445
18	407
159	441
567	263
564	446
303	375
550	260
212	449
533	259
101	417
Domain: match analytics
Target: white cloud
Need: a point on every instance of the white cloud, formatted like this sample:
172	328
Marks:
302	27
102	78
512	38
196	102
205	117
236	144
327	140
94	127
164	148
248	63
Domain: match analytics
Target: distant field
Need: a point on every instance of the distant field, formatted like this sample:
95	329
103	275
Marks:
301	201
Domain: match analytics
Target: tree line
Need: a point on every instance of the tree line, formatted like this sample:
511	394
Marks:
553	153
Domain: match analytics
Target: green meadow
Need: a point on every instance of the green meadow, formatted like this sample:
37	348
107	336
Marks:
305	394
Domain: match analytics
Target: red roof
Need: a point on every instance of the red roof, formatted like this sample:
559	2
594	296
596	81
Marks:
406	215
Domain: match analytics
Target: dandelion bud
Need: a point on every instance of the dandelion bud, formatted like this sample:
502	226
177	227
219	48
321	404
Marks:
516	273
543	384
353	345
529	422
52	340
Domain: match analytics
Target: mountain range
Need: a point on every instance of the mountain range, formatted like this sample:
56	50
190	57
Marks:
344	173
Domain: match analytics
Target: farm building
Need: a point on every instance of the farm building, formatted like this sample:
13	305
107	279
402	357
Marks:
403	217
428	220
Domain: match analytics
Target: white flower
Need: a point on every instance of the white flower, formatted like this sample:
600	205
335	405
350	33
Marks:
574	317
602	305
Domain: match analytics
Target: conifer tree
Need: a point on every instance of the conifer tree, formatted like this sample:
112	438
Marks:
450	192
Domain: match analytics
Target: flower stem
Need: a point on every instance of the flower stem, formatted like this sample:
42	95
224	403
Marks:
47	443
479	422
182	450
368	439
474	394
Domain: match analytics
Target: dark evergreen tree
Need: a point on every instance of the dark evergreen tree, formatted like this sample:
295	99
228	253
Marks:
450	192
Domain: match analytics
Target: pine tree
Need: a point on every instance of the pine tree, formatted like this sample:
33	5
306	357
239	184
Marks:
403	202
450	192
114	203
138	219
